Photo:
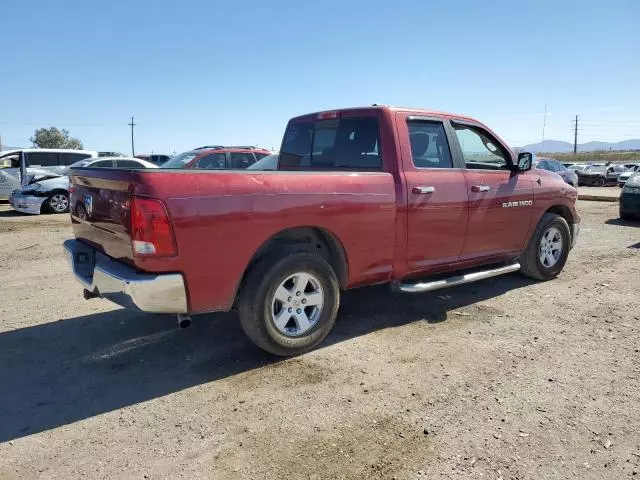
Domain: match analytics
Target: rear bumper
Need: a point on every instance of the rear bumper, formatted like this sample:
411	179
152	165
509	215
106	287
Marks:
630	203
111	279
26	203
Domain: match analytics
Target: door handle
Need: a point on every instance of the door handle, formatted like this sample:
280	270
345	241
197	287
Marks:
480	188
421	190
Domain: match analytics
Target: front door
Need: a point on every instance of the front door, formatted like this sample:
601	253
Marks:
500	200
437	195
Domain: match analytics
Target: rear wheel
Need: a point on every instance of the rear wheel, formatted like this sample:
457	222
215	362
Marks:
548	248
289	304
58	202
626	216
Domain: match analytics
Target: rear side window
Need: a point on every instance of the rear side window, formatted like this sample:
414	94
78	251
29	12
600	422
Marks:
241	160
213	161
429	145
336	144
69	158
128	164
42	159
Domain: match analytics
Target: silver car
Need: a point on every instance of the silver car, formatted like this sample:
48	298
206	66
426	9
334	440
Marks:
47	193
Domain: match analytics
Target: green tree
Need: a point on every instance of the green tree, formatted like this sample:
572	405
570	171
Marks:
54	138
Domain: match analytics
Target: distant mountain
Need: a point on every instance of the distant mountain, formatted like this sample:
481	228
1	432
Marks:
555	146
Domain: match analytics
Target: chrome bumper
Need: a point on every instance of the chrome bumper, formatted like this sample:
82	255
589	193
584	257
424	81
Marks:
26	203
102	275
575	231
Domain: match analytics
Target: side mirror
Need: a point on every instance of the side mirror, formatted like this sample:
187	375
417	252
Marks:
525	161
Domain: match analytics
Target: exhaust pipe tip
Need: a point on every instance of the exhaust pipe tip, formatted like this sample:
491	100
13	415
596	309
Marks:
184	321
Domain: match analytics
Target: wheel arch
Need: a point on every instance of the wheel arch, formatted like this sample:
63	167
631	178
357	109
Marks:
310	238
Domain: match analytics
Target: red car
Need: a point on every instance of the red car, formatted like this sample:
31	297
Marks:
217	158
416	199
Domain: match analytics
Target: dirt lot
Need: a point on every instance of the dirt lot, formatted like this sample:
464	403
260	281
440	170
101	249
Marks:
500	379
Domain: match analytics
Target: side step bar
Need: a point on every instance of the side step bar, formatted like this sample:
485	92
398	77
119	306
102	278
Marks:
457	280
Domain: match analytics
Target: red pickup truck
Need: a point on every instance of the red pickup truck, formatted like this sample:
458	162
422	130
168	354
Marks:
417	199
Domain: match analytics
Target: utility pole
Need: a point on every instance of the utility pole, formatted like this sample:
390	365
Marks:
132	124
575	136
544	124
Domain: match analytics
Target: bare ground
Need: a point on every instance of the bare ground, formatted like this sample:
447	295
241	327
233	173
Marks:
501	379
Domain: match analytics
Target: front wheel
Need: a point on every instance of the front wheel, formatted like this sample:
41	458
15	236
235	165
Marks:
600	182
288	305
548	248
58	202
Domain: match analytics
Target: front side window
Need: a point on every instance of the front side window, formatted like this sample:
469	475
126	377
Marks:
429	145
42	159
239	160
479	150
213	161
101	164
336	144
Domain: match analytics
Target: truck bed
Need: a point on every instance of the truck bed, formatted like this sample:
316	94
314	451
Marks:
221	218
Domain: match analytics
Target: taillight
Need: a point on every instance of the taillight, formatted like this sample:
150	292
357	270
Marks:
151	232
328	115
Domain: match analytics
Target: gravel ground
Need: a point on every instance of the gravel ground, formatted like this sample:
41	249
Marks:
501	379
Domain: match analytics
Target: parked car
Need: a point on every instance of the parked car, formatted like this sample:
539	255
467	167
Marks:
50	193
110	154
630	198
158	159
600	175
23	164
217	157
624	176
577	167
555	166
361	196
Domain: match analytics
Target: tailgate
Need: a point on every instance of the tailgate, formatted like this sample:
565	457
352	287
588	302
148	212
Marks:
99	205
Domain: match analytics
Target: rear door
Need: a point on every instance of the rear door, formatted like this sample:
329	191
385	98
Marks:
437	204
500	200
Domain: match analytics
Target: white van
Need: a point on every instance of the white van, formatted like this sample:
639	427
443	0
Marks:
16	166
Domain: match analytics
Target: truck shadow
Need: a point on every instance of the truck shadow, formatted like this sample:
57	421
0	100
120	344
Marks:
61	372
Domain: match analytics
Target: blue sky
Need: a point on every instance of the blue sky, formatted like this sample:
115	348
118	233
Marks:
201	72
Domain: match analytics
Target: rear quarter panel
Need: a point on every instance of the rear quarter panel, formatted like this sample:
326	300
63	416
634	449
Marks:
222	218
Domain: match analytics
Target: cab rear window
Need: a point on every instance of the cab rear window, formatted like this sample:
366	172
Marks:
336	144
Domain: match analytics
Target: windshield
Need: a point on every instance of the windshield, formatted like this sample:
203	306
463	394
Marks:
596	169
180	160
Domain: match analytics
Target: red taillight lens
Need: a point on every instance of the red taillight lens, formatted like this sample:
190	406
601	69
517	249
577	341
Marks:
328	115
151	232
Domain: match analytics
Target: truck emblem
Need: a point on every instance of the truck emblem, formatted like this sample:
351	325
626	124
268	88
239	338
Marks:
521	203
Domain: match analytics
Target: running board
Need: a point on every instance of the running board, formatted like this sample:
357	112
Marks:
458	280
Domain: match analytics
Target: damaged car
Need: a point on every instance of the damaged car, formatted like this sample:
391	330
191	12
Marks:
47	192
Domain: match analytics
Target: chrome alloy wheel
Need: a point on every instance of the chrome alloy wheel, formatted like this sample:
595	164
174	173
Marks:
297	304
59	202
550	249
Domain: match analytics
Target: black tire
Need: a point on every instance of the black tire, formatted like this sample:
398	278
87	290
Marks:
600	182
626	216
530	264
260	285
53	202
